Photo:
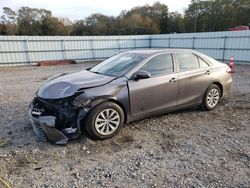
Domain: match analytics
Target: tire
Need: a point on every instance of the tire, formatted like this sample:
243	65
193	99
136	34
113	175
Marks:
98	126
214	93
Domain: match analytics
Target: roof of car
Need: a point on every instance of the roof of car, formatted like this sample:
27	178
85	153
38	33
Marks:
155	51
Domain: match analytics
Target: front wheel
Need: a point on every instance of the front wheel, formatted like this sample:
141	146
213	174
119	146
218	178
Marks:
211	97
104	121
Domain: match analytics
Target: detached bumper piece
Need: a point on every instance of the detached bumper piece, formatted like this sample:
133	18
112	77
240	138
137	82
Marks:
45	127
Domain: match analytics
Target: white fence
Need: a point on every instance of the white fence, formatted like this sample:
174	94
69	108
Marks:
32	49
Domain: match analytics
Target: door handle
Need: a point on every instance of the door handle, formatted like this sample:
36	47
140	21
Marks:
173	80
207	72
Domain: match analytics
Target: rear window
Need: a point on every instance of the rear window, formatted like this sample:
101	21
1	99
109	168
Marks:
203	64
187	61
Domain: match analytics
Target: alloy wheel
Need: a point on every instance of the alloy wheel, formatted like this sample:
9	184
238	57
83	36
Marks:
213	97
107	121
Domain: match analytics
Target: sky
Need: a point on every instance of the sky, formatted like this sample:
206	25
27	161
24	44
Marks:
79	9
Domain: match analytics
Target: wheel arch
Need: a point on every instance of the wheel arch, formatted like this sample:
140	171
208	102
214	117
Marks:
109	99
119	104
220	86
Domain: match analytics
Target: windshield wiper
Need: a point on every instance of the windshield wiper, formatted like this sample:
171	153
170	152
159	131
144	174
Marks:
95	72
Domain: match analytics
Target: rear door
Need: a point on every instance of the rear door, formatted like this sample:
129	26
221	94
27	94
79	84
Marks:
158	92
194	78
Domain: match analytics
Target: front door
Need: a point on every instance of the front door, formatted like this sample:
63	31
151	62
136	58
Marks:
159	92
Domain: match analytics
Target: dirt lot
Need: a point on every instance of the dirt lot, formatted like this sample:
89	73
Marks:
189	148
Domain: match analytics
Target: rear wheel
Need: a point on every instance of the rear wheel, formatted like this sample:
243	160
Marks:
211	97
104	121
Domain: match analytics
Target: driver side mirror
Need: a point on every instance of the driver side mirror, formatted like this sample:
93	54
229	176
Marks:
141	74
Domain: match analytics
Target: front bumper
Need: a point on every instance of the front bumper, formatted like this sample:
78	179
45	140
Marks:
46	128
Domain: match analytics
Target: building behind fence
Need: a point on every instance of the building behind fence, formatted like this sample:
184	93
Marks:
31	49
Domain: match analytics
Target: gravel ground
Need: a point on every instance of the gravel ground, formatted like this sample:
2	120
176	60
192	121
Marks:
189	148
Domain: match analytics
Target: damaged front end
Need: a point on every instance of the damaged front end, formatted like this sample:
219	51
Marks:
62	102
56	120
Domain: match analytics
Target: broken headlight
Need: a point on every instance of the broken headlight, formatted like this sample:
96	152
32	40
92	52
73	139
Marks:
78	104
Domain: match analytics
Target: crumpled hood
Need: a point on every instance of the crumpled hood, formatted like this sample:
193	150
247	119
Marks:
67	85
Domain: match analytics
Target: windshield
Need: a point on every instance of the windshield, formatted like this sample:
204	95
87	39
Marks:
118	65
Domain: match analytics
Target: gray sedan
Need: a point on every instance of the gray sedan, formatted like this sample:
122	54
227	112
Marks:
124	88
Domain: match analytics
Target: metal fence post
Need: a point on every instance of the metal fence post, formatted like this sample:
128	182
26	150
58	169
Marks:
118	44
169	41
224	48
193	43
92	49
27	49
134	43
63	49
150	41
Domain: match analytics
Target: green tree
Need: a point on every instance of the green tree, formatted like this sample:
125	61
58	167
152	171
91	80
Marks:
175	20
216	15
136	24
95	24
29	20
158	13
8	22
200	16
79	28
54	26
32	21
99	24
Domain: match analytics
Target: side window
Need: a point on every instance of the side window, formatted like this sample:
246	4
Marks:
158	65
203	64
187	62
